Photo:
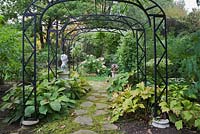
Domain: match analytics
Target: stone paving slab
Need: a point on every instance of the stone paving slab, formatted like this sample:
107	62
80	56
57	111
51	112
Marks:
84	120
96	94
101	106
84	132
92	98
100	112
80	112
101	91
104	95
109	127
87	104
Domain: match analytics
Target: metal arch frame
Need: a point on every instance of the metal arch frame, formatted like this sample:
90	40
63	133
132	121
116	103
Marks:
54	52
89	30
142	55
35	13
106	18
140	28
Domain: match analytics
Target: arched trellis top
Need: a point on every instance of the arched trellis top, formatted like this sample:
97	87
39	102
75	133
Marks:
149	7
128	21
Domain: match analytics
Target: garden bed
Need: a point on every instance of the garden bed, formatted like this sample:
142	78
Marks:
141	127
4	128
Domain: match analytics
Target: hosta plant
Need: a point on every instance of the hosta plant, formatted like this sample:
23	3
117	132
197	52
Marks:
182	112
53	98
131	101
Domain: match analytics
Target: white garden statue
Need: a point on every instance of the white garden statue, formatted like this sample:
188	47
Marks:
64	59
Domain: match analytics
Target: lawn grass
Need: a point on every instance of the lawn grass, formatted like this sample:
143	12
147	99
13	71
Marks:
96	78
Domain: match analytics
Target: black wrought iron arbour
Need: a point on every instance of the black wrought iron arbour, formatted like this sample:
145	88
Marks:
33	21
119	25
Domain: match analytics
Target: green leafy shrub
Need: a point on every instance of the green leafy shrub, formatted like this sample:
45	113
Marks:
183	108
53	98
79	86
181	111
126	53
131	101
10	53
122	81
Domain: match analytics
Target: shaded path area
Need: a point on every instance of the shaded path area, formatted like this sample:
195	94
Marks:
92	116
94	112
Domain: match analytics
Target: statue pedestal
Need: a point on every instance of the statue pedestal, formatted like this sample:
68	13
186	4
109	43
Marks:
64	75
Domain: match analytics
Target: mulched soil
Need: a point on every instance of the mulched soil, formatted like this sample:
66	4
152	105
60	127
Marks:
140	127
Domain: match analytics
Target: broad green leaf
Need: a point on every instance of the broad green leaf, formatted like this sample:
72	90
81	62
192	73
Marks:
164	107
135	92
43	110
61	89
186	115
54	96
55	105
63	98
197	123
179	124
187	104
30	102
29	110
172	117
5	106
47	95
44	102
141	106
127	103
176	107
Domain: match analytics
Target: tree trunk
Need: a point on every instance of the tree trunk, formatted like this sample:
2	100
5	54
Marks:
1	81
41	38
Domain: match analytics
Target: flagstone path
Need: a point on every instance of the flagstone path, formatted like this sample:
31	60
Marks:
94	112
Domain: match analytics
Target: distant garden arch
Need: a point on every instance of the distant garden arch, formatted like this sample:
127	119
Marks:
155	18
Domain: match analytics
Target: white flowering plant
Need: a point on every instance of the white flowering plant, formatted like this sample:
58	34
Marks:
93	65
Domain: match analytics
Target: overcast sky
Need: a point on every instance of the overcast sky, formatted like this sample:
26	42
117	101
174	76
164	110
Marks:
189	4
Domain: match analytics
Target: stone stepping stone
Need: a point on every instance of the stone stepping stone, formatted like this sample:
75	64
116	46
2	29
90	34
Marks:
92	98
104	100
101	106
101	91
80	112
104	95
84	120
100	112
109	127
96	94
87	104
84	132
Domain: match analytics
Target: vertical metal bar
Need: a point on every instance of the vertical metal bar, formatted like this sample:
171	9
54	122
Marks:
49	43
145	59
166	49
35	67
137	54
63	43
155	66
95	5
57	34
73	57
23	59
